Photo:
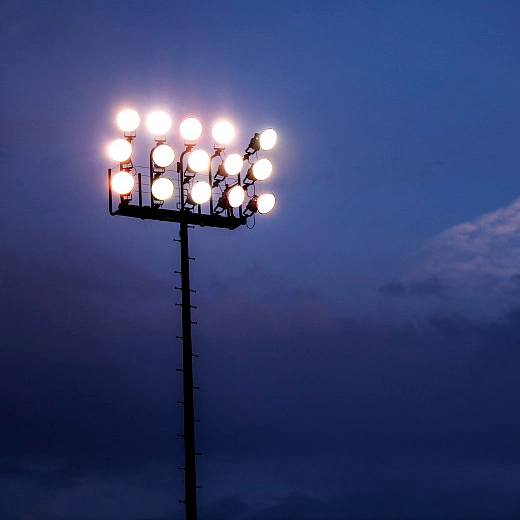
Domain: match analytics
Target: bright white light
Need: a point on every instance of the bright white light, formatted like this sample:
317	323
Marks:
201	192
191	129
122	182
233	164
128	120
236	196
163	155
223	132
268	139
162	188
265	203
158	122
120	150
262	169
198	161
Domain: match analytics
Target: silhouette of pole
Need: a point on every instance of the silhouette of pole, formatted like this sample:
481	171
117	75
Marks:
190	478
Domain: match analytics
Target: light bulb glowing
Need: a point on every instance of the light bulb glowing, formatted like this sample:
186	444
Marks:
236	196
162	188
191	129
120	150
233	164
158	123
223	132
262	169
201	192
198	161
163	155
128	120
265	203
122	182
268	139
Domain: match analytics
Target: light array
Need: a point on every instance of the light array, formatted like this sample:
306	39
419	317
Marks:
227	190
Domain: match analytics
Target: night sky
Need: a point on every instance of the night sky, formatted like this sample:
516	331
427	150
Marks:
359	349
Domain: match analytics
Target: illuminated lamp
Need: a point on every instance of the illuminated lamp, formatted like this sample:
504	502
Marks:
162	188
122	182
163	155
191	129
120	150
128	120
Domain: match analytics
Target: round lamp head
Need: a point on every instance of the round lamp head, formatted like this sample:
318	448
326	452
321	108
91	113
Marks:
163	155
233	164
262	169
158	122
268	139
223	132
236	196
198	161
201	192
120	150
265	203
128	120
122	182
191	129
162	188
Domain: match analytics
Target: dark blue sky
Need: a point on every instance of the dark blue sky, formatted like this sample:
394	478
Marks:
359	348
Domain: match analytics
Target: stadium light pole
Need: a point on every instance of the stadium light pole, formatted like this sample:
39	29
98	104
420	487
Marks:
224	200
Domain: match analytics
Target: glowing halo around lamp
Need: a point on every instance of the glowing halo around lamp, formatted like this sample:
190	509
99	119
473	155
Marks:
128	120
158	122
162	188
262	169
198	161
201	192
122	182
233	164
191	129
265	203
268	139
236	196
120	150
163	155
223	132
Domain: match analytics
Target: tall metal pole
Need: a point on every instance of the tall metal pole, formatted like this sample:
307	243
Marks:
190	478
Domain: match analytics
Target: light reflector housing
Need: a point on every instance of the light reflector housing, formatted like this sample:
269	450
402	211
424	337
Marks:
162	188
158	123
128	120
201	192
233	164
265	203
191	129
120	150
223	132
163	155
236	196
198	161
268	139
262	169
122	182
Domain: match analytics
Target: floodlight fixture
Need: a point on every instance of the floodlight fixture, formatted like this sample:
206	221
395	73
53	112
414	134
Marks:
200	193
198	161
191	129
262	203
259	171
268	139
120	150
122	182
159	123
223	133
233	164
162	188
163	155
128	120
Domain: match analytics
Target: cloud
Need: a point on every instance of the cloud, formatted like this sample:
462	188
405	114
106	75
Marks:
432	286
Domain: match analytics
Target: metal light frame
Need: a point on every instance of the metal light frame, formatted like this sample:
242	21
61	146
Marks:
187	214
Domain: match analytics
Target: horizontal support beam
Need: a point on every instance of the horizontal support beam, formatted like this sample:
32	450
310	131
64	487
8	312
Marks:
171	215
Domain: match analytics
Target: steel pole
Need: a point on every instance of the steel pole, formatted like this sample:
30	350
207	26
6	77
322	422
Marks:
190	478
